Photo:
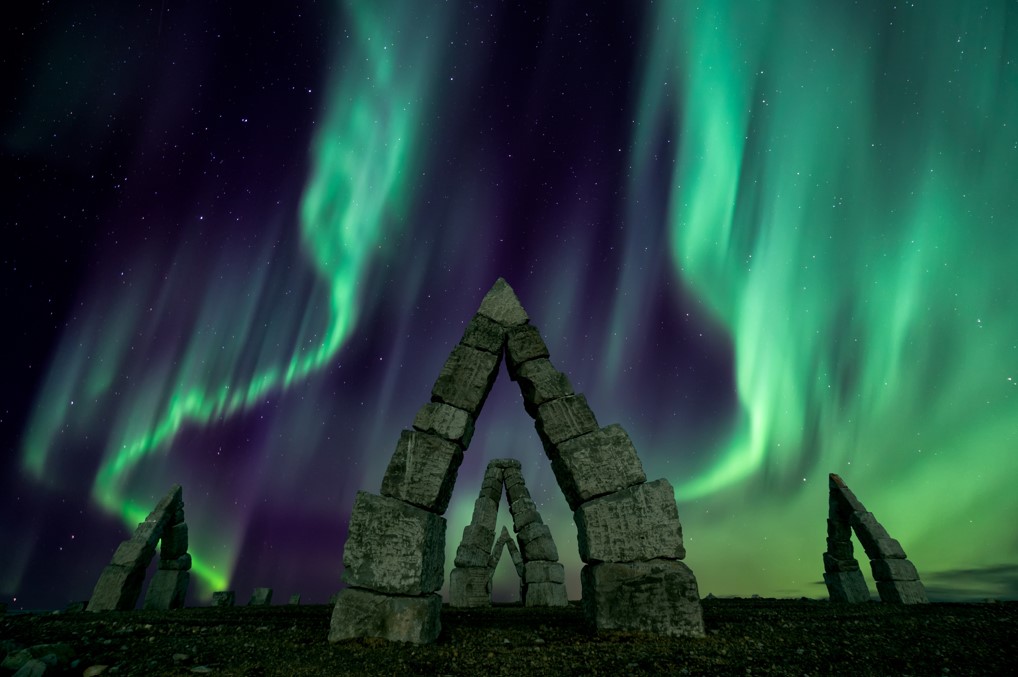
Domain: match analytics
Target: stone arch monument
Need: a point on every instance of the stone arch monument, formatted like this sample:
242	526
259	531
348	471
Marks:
628	529
896	577
542	578
120	583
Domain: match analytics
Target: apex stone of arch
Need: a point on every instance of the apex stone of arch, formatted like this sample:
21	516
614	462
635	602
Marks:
120	583
542	577
394	554
896	577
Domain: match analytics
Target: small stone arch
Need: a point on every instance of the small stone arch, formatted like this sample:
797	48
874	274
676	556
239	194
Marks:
542	577
120	583
628	529
896	577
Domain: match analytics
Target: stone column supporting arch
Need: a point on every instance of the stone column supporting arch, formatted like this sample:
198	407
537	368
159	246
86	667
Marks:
120	583
896	577
628	529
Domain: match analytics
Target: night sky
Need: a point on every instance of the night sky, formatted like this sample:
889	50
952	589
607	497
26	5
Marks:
771	239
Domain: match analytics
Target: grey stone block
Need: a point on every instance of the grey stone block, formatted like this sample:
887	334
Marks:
494	473
516	492
167	589
484	334
492	489
893	570
839	530
447	422
658	596
848	587
294	600
536	543
523	343
524	513
902	592
182	563
504	463
563	419
117	589
500	304
544	594
363	613
596	464
422	471
470	557
466	379
394	547
485	514
260	597
840	549
223	598
638	523
134	552
874	538
470	587
540	382
478	536
543	572
840	492
174	541
834	564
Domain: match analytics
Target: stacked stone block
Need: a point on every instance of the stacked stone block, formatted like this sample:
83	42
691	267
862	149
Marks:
896	577
120	583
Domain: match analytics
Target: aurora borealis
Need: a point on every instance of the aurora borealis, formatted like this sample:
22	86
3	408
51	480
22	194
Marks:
772	239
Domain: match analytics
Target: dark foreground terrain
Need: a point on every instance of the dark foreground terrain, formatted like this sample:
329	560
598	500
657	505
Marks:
744	637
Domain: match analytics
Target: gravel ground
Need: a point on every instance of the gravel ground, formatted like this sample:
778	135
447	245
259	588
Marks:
744	637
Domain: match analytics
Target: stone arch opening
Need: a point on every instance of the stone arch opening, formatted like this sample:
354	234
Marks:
628	530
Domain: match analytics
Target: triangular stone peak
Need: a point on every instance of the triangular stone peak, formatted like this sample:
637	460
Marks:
542	577
896	578
120	583
628	529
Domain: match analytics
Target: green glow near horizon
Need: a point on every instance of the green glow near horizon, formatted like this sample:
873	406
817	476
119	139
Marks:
247	339
849	218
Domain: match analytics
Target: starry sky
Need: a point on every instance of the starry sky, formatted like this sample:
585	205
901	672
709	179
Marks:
773	240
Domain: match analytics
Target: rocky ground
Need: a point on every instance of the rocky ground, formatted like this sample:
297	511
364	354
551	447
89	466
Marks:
744	637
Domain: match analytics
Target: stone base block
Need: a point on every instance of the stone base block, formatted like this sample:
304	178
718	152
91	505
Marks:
902	592
223	598
167	589
260	597
835	565
543	572
596	464
659	596
117	589
394	547
363	613
545	594
422	471
470	587
638	523
893	570
847	587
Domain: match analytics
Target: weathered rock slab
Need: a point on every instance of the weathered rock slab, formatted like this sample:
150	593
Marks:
834	564
224	598
363	613
902	592
117	589
470	587
563	419
484	334
504	463
134	552
638	523
596	464
847	587
658	596
485	514
182	563
422	471
260	597
500	304
536	543
466	378
544	594
446	422
394	547
874	538
893	570
524	513
540	382
523	343
174	541
167	589
543	572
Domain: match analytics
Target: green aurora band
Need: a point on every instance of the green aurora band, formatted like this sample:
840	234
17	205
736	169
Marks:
842	200
363	158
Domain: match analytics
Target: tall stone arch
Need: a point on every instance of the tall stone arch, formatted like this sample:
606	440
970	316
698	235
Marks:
628	529
120	583
896	577
542	577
